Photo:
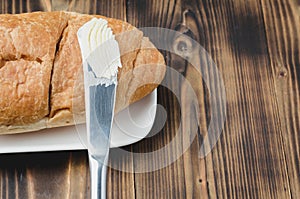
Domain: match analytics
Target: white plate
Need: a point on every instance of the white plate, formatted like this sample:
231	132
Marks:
130	125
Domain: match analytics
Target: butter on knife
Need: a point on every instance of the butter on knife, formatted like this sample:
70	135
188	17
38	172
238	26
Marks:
100	49
101	59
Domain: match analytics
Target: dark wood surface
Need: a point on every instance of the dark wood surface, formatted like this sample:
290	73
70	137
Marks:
255	45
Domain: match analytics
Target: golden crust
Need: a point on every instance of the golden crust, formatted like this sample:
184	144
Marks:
27	50
143	69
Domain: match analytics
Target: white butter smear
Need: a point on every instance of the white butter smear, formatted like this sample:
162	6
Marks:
100	51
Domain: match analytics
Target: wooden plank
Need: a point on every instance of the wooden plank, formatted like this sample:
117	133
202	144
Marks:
43	175
248	161
78	176
120	174
282	22
21	6
115	9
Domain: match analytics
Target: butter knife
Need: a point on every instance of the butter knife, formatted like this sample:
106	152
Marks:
101	59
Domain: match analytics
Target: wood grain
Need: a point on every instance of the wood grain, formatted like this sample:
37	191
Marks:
255	45
283	35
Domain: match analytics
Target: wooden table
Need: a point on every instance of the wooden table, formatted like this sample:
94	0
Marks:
255	45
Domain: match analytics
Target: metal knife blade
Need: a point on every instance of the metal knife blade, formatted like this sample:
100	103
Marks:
101	112
102	100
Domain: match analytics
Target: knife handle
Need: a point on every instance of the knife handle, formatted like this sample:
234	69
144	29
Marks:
98	171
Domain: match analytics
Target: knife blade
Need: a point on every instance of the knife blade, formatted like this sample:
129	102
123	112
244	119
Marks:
102	100
101	59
